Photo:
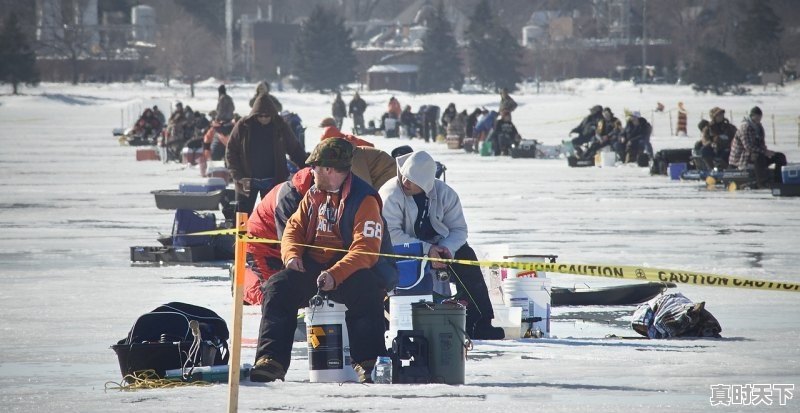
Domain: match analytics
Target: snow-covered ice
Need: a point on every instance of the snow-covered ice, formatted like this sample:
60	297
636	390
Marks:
73	201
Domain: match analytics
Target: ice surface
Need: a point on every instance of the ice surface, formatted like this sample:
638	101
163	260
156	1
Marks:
73	201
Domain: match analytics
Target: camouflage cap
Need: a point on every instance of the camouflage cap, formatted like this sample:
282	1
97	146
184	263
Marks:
332	152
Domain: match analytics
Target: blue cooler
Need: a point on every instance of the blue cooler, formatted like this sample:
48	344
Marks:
790	174
203	185
675	170
414	279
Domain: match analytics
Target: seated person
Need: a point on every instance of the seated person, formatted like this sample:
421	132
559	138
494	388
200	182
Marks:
505	135
607	133
147	127
409	121
634	139
390	125
586	129
339	212
371	164
716	141
332	131
419	208
269	221
749	147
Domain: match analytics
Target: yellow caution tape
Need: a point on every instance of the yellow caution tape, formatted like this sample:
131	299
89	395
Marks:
593	270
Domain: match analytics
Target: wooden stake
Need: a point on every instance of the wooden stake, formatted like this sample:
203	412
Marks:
774	140
236	336
671	131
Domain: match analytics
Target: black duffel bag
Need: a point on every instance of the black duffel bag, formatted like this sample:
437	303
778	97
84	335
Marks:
664	157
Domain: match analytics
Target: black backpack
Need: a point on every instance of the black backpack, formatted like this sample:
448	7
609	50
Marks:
161	340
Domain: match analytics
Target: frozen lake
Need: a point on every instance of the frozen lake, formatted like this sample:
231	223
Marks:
74	201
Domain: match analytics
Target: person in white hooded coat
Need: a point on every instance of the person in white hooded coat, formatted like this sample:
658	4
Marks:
420	208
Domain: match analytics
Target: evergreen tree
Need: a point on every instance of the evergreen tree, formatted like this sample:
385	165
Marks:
324	58
715	71
17	59
758	39
440	67
494	54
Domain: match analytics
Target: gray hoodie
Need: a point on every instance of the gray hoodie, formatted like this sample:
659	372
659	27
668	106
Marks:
400	210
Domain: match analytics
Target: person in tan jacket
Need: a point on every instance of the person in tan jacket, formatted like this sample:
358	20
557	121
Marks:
372	165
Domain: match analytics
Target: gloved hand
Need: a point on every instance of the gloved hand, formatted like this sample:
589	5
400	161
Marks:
325	281
438	252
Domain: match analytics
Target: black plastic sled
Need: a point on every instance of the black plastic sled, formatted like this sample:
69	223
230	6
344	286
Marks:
617	295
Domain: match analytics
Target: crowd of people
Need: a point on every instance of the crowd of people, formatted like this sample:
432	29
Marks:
722	146
600	129
339	209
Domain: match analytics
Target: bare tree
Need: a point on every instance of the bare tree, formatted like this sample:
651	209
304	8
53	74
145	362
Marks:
70	41
188	51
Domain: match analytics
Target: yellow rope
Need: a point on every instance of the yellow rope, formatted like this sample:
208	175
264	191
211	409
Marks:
148	379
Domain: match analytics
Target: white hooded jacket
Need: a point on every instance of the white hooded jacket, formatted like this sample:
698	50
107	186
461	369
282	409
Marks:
400	210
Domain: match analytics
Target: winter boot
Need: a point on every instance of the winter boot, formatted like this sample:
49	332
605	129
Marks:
480	328
483	330
364	370
267	370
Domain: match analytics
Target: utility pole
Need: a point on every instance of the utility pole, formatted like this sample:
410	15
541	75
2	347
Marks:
644	40
228	38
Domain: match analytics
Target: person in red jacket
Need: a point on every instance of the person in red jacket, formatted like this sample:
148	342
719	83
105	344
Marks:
332	131
268	221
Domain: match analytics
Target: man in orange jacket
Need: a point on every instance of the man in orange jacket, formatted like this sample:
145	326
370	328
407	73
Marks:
341	217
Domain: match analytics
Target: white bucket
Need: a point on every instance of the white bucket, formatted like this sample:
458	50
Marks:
513	272
607	159
533	296
509	319
400	314
328	344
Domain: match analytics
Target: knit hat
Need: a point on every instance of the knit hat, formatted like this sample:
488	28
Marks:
333	152
327	122
221	89
755	111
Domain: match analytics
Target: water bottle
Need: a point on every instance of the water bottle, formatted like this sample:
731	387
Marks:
382	373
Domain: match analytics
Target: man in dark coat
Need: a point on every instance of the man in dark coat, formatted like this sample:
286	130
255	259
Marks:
338	110
256	152
715	145
634	138
357	108
587	128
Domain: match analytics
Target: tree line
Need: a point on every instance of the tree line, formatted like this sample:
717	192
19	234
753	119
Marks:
719	47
